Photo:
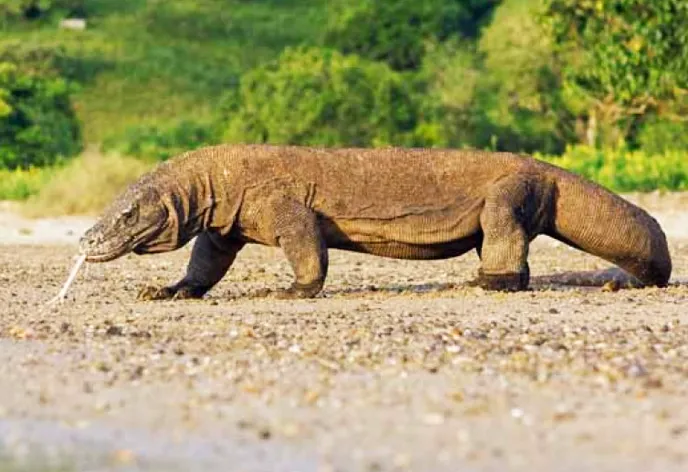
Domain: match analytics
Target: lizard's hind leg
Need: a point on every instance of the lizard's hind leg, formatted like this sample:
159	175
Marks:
505	221
208	264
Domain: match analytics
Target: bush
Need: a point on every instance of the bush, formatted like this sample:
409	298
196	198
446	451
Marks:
501	92
623	170
34	9
312	96
53	61
20	184
657	136
37	122
519	96
396	31
449	79
160	143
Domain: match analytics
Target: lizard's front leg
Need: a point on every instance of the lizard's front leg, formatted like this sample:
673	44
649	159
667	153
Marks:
298	234
208	264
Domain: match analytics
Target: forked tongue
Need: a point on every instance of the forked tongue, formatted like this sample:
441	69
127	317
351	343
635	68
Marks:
72	275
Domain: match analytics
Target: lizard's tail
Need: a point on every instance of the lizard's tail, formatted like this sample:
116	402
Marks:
603	224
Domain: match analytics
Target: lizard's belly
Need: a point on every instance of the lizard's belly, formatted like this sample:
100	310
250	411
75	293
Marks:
415	227
436	235
410	251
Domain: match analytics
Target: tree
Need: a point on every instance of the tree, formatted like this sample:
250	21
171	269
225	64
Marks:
312	96
33	9
520	88
505	92
37	122
623	58
396	32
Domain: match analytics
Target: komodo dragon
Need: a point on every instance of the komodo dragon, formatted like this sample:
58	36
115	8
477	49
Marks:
400	203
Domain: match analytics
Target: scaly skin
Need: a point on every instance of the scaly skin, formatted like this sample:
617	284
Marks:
401	203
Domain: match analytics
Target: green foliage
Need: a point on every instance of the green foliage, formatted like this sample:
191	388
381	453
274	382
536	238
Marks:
520	91
20	184
658	135
161	143
33	9
320	97
151	63
447	87
623	170
396	31
517	75
37	123
51	60
624	57
504	92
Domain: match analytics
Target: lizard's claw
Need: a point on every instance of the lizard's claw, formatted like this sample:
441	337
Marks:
501	282
299	291
296	291
287	294
152	292
185	292
188	292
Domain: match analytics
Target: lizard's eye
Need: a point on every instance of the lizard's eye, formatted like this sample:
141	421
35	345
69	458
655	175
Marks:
130	216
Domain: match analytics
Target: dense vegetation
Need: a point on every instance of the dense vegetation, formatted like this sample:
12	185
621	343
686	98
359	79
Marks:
37	122
602	82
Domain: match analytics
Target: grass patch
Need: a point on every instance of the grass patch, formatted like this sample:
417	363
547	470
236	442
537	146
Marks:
152	62
85	185
21	184
624	170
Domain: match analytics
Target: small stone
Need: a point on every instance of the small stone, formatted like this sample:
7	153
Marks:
433	419
123	457
517	413
457	396
636	370
563	414
653	382
114	331
311	397
290	430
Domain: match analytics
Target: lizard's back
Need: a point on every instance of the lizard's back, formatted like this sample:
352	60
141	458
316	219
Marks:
389	195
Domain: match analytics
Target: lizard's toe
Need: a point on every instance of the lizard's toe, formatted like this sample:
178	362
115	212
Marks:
188	293
262	293
287	294
299	291
503	282
152	292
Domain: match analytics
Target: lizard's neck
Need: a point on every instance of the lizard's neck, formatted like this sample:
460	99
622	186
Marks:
205	199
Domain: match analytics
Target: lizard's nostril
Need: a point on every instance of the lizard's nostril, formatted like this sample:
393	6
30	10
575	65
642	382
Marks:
85	242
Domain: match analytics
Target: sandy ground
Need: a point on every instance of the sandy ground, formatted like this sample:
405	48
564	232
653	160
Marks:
396	366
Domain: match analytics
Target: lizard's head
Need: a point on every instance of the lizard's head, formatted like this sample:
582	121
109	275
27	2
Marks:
138	220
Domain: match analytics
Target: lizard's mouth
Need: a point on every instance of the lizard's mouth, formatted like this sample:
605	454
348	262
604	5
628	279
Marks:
106	254
108	249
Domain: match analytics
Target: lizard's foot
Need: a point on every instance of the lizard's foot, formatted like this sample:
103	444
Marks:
298	290
187	292
171	293
151	292
513	282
